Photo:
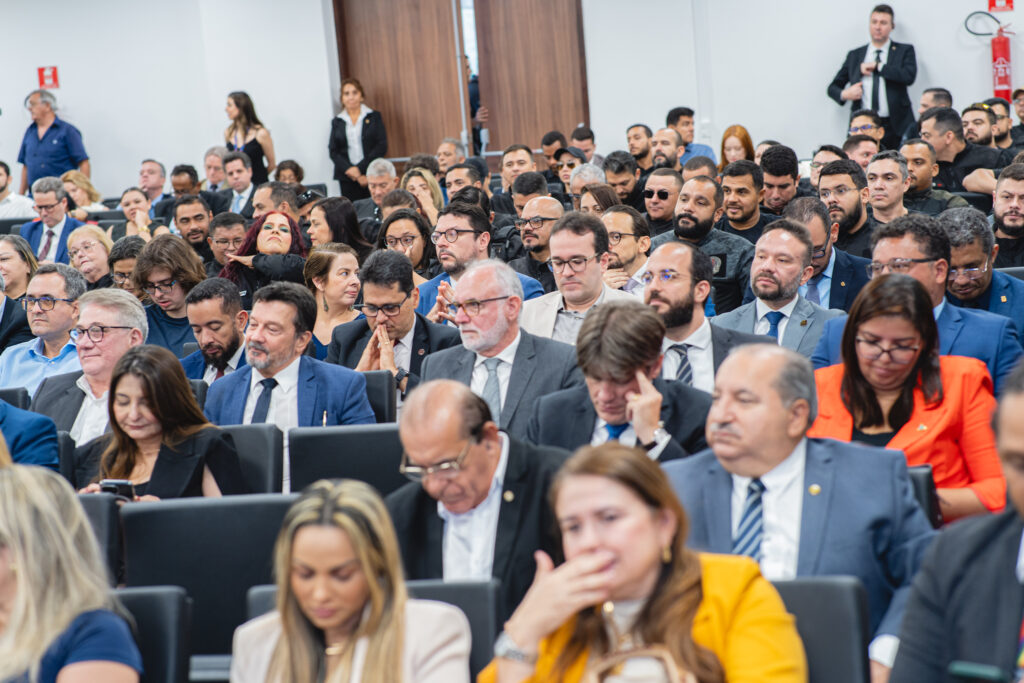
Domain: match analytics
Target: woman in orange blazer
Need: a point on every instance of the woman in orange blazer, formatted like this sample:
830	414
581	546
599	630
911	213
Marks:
629	582
894	390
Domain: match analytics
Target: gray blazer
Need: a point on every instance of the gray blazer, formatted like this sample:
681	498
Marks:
802	331
59	399
541	367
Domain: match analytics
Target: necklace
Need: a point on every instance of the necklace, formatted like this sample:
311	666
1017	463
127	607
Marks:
336	649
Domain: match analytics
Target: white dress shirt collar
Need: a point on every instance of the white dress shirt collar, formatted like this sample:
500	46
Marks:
507	354
762	308
287	378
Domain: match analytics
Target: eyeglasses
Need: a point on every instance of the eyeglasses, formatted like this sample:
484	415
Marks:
390	310
819	252
566	164
120	278
46	207
577	263
971	274
860	130
472	306
404	240
662	275
824	195
451	234
309	196
616	237
446	469
817	164
896	265
162	287
872	350
536	222
662	194
95	332
45	303
82	246
225	243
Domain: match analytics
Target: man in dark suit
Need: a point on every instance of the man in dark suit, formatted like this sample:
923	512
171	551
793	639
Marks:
14	327
214	309
877	75
624	400
185	183
479	507
488	300
238	169
693	348
392	336
31	438
966	601
798	505
48	234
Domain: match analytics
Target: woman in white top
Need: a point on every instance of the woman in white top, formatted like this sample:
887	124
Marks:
342	610
86	197
357	138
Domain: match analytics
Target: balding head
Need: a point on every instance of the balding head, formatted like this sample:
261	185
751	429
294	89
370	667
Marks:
543	211
543	206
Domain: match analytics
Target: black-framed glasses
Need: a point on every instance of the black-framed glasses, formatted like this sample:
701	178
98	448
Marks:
404	240
971	274
896	265
860	130
446	469
472	306
451	234
45	303
95	332
616	237
872	350
120	278
536	222
819	252
152	288
390	310
45	207
577	263
662	194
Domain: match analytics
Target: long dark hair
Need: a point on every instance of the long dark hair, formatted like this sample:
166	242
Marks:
343	223
248	118
422	226
170	399
904	297
232	270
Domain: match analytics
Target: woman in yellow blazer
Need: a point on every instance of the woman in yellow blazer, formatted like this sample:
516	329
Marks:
630	583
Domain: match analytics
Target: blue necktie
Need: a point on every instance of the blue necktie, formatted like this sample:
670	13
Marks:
615	431
259	415
748	534
812	294
773	323
236	206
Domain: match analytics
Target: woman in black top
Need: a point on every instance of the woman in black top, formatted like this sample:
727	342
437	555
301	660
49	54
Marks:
160	439
273	249
247	134
357	138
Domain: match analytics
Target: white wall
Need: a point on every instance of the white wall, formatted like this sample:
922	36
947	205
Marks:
149	79
765	64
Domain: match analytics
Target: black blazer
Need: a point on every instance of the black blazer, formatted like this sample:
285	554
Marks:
566	418
526	523
348	341
60	399
849	275
899	71
966	602
375	143
724	340
178	472
14	327
217	201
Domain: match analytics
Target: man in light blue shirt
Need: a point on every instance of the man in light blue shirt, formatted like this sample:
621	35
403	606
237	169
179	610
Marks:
51	302
680	119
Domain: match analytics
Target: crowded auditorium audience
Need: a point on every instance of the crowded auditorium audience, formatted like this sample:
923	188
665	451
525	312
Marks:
625	402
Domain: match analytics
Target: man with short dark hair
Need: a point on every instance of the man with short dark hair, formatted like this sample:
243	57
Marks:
843	188
680	119
943	129
515	160
1001	137
48	236
525	187
275	196
227	232
185	183
867	122
50	146
1008	216
861	148
623	174
979	121
743	189
582	137
459	176
167	269
214	309
552	141
629	240
922	166
535	223
888	179
638	142
821	156
696	166
666	148
192	216
238	169
122	260
781	171
661	192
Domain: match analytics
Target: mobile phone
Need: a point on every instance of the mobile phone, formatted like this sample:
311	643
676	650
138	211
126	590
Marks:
970	672
119	487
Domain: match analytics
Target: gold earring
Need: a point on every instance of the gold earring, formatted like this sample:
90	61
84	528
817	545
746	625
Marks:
666	554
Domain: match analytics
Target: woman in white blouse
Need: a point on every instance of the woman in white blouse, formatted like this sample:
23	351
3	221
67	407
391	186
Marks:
342	610
357	138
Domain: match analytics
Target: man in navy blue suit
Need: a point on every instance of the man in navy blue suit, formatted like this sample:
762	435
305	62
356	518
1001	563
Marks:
31	438
214	309
48	236
917	245
799	506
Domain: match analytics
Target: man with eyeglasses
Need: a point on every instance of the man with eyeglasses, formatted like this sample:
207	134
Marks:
579	257
743	192
629	241
1001	138
476	505
843	187
167	269
110	322
226	234
918	246
392	336
660	193
48	235
51	304
888	179
822	156
867	122
922	167
539	215
122	263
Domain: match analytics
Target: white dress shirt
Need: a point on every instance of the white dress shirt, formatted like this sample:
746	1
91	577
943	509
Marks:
761	325
211	372
478	380
403	356
626	438
93	416
58	237
883	100
635	286
17	206
283	410
239	199
354	134
700	353
469	538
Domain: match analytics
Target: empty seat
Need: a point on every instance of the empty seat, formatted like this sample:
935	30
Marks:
111	202
370	453
162	617
102	513
66	459
199	389
188	348
381	392
18	397
261	455
927	496
7	225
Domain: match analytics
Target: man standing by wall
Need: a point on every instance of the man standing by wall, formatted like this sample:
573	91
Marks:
50	146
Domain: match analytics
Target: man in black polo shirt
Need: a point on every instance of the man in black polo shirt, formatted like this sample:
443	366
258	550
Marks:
743	185
922	167
623	174
1008	216
843	187
943	128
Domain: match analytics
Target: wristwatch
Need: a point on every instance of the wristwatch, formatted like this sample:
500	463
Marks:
400	375
661	435
505	648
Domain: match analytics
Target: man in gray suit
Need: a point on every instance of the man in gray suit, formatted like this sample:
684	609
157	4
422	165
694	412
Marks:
488	300
799	506
782	262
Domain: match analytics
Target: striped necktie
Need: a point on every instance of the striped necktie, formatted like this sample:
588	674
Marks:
751	528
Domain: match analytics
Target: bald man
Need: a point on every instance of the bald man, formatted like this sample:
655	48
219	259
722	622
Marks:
479	506
539	214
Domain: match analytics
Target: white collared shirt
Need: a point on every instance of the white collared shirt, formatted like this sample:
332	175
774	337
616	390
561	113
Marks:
478	380
469	538
628	437
403	357
17	206
210	374
354	133
283	410
824	283
761	325
700	353
58	235
93	417
883	101
636	286
240	199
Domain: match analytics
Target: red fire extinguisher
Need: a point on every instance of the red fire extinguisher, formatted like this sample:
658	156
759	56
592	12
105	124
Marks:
1001	61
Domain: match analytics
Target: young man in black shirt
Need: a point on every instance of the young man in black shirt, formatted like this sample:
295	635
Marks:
1008	216
843	187
943	128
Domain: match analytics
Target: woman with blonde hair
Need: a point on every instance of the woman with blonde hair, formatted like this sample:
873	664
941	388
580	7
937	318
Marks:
332	276
17	264
58	618
421	184
89	250
81	190
342	609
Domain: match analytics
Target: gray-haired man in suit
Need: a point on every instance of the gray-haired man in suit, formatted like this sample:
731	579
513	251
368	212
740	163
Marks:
782	262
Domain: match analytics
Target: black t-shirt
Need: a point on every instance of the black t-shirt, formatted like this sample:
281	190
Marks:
952	173
1011	252
539	271
859	243
752	234
660	226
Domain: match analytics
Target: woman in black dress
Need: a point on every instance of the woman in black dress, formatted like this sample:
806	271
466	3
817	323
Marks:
357	138
273	249
247	134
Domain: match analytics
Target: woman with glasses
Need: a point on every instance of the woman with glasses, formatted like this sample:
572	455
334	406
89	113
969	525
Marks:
894	390
159	439
421	184
17	264
343	612
332	277
407	231
334	220
89	250
598	198
273	250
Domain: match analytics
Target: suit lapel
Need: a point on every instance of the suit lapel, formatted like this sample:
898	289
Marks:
950	323
583	422
717	507
513	493
237	413
838	289
307	395
420	344
720	345
433	555
523	366
796	328
819	474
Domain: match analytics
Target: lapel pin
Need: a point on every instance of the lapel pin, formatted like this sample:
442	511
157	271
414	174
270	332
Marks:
842	284
508	496
922	427
1003	298
814	489
422	351
803	323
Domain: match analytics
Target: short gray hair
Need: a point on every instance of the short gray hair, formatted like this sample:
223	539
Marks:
124	304
45	96
795	380
50	184
893	155
460	149
163	171
589	172
379	167
964	225
74	282
506	278
219	151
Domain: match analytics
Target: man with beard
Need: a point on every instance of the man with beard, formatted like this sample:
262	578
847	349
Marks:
1008	216
506	366
782	262
638	141
843	187
957	156
539	215
1001	138
666	146
743	188
679	284
660	196
462	235
214	309
922	166
888	179
629	240
13	205
698	208
978	121
822	156
623	174
192	216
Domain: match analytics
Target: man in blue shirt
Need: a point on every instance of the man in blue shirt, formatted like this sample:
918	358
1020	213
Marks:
681	120
50	146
